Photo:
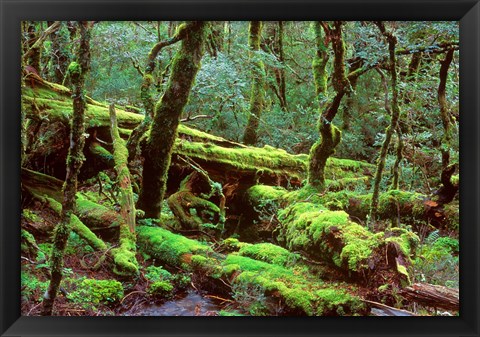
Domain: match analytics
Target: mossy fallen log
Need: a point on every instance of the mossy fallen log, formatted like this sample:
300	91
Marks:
93	215
331	236
223	159
271	277
400	207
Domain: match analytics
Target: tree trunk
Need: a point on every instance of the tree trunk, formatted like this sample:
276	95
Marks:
444	113
330	135
257	94
146	92
158	151
74	163
124	256
393	110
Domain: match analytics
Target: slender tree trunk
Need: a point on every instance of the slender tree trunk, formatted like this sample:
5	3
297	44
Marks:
398	160
158	150
60	57
444	113
257	94
393	110
74	162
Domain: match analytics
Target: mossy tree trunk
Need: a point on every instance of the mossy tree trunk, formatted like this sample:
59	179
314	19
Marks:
74	162
393	110
33	54
444	113
145	90
124	256
330	135
257	94
163	132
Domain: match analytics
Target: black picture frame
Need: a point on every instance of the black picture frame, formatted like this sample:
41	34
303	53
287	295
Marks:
14	11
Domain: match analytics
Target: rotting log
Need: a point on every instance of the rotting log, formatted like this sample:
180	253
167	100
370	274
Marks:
432	296
399	206
93	215
225	161
370	258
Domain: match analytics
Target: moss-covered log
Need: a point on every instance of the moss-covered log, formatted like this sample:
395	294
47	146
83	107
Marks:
401	207
124	256
163	132
93	215
331	236
255	270
222	158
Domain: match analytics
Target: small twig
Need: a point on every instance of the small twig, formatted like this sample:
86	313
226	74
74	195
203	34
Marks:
133	292
219	298
188	118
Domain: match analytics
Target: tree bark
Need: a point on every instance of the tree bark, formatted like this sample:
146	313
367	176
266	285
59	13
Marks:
158	151
393	110
432	296
330	135
124	256
257	94
74	163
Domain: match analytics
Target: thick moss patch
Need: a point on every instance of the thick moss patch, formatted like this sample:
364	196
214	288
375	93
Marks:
168	247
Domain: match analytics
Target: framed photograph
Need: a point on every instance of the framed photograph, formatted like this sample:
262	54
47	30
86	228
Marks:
240	168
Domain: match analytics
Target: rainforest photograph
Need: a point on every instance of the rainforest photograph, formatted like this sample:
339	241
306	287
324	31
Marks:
239	168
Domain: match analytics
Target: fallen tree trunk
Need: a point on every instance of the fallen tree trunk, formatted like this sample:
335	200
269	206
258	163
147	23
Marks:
394	205
94	216
225	161
370	258
432	296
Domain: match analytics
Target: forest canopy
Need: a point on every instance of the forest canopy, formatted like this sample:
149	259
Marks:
259	168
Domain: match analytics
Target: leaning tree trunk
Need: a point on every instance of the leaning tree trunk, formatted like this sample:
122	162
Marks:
146	92
158	150
74	163
393	110
444	113
257	95
124	256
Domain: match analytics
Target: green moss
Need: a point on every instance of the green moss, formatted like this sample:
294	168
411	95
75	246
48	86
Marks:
300	291
166	246
270	253
266	159
162	289
91	291
125	262
30	216
337	300
207	266
327	234
74	68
